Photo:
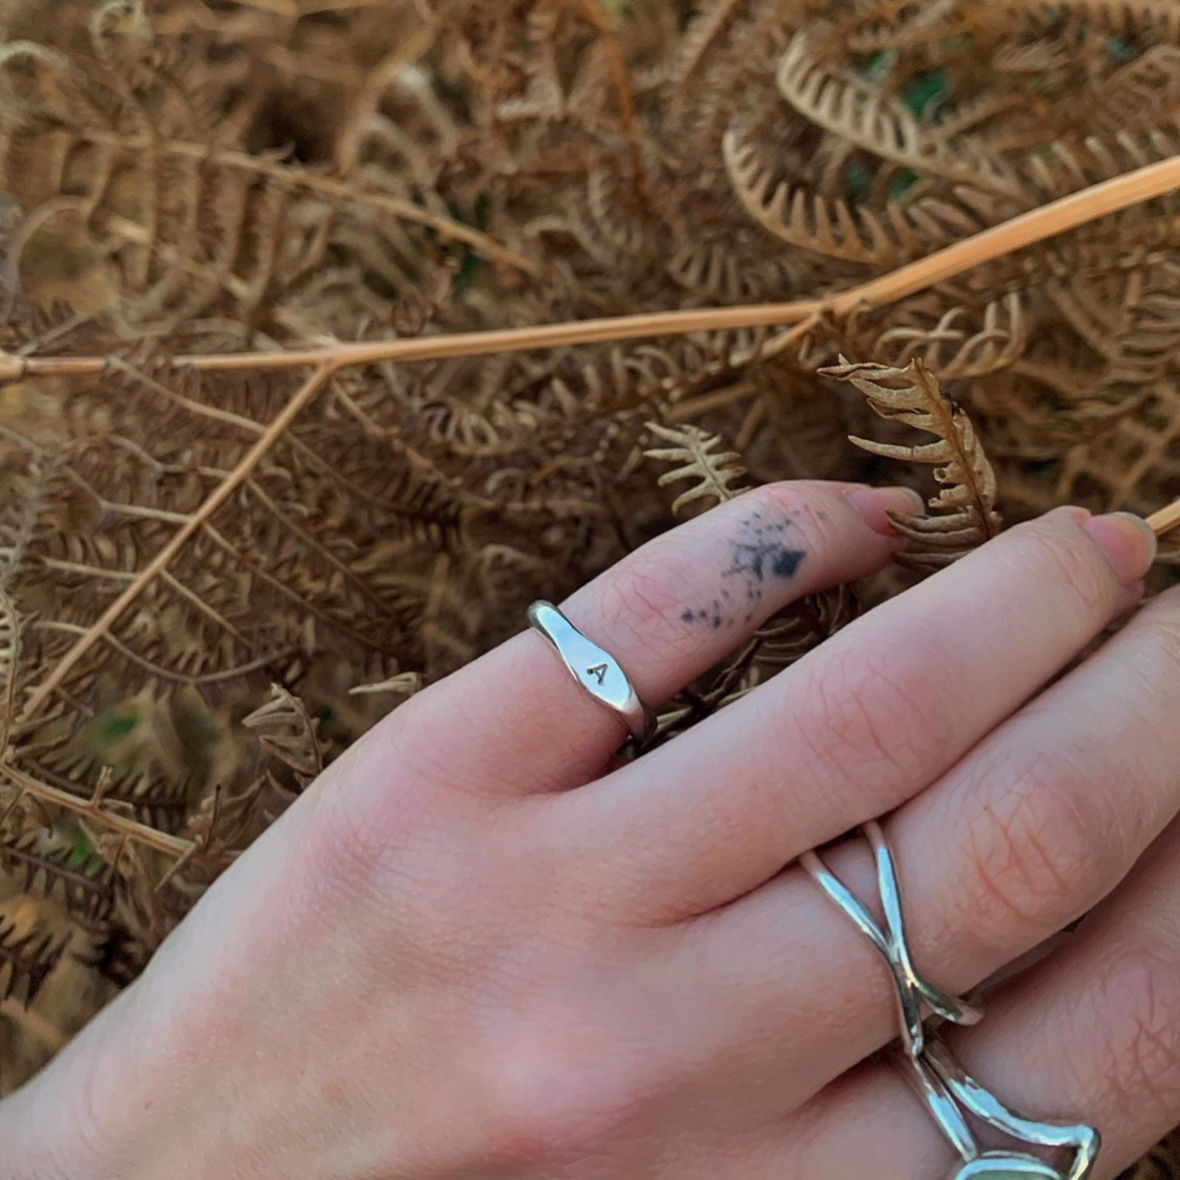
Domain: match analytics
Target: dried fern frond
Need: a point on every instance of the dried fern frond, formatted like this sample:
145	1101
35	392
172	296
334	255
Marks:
195	570
712	473
1154	18
1142	91
804	218
964	514
707	27
32	943
1162	1163
401	684
961	344
790	635
285	730
1146	348
10	640
56	867
858	112
189	226
1134	463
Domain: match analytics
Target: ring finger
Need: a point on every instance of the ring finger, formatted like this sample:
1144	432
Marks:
1092	1033
1027	833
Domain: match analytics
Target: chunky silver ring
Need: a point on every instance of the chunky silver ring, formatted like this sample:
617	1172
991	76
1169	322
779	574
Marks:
948	1091
596	670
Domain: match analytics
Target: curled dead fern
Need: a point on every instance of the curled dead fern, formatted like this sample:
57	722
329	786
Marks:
964	514
790	635
284	729
830	226
963	343
859	112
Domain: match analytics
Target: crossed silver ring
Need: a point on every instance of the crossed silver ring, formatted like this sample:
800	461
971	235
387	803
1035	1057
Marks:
950	1094
953	1098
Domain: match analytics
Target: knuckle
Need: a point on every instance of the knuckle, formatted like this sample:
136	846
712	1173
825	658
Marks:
863	718
1137	1020
344	858
1052	547
369	810
556	1099
817	512
1037	854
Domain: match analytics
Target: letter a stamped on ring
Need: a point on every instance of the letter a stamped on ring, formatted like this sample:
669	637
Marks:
594	668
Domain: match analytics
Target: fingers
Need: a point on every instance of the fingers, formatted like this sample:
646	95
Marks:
1091	1034
868	720
1022	837
515	721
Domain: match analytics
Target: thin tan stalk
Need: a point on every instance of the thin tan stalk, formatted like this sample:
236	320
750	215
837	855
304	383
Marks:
1066	213
1165	519
95	811
424	348
622	83
31	1021
1057	217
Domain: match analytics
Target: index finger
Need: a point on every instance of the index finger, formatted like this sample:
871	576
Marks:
515	722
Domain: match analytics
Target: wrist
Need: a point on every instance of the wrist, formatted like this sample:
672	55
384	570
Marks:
42	1134
85	1116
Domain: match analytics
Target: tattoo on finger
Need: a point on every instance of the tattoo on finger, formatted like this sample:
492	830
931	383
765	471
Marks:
762	554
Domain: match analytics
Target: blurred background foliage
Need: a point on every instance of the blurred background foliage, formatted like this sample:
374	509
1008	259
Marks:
201	603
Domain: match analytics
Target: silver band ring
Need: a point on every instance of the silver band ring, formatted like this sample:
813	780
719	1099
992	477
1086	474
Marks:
596	670
915	997
949	1093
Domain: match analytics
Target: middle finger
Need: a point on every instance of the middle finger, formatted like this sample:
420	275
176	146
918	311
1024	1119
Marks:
866	721
1025	835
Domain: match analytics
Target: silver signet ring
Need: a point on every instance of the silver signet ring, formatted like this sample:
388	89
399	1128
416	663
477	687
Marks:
596	670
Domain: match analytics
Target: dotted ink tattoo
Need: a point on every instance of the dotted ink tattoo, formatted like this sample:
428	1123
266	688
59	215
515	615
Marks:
762	554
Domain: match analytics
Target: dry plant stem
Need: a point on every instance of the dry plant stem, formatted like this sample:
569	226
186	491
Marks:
622	82
1165	519
159	564
378	81
32	1021
93	809
1029	228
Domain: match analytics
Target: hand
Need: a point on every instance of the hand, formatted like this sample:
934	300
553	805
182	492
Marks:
477	947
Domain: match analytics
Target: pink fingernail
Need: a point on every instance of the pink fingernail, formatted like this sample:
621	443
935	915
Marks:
1128	542
875	504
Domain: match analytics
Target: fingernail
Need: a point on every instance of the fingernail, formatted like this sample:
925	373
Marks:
1128	542
875	504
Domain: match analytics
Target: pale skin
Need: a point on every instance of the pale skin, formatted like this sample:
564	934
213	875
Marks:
479	946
